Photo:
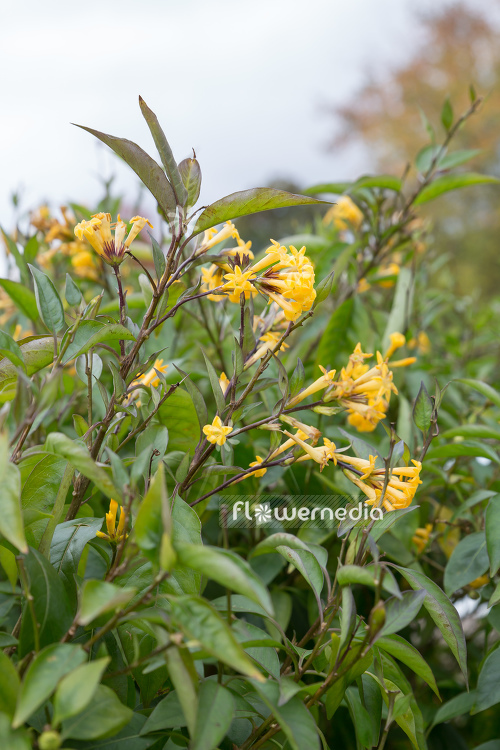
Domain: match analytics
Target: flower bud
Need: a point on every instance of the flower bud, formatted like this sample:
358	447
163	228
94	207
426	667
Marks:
50	740
328	411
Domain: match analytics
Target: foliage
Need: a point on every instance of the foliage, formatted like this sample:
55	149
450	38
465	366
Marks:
143	381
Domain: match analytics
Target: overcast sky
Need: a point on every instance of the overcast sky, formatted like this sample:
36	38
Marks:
246	83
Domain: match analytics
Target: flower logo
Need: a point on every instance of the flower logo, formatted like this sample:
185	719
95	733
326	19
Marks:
262	513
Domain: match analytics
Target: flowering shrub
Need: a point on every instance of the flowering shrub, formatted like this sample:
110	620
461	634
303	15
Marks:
153	370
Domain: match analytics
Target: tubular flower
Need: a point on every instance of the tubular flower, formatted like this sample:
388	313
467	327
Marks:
284	277
217	432
115	533
211	279
344	214
84	265
149	378
308	433
224	382
98	232
269	341
421	343
324	381
401	487
322	454
365	392
215	236
258	472
478	582
421	537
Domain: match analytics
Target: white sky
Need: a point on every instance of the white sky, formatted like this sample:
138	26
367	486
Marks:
244	82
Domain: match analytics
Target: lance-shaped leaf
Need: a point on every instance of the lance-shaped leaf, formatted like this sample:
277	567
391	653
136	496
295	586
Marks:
18	257
442	612
76	689
408	654
80	458
38	352
48	301
191	176
151	174
215	713
468	561
422	410
11	519
99	597
11	350
22	296
453	182
92	333
484	388
248	202
166	155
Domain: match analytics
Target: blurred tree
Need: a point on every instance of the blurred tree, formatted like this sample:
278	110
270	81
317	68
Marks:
391	114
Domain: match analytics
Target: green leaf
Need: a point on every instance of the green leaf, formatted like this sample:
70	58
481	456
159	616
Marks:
18	257
167	714
473	431
11	350
214	382
333	344
464	448
22	297
38	352
48	301
349	574
42	676
400	612
11	517
492	528
335	188
385	181
98	597
149	172
190	172
449	182
422	410
360	717
249	202
182	673
13	739
456	158
488	684
80	458
201	622
51	605
76	689
458	706
447	114
179	416
68	543
92	333
443	613
215	712
158	257
324	289
296	722
186	528
401	306
166	155
149	524
72	293
478	385
9	685
228	569
408	654
103	716
468	561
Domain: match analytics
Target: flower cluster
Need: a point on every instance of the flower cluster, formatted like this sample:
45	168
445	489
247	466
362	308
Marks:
115	533
108	239
394	494
362	390
344	214
421	537
285	277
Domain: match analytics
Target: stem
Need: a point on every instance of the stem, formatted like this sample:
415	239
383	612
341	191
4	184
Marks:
121	298
29	599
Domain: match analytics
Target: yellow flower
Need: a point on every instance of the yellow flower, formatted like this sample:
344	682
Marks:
421	537
269	341
214	236
238	282
344	214
98	232
320	384
217	432
478	582
363	286
149	378
84	265
401	487
322	455
211	279
115	533
224	382
258	472
391	269
421	343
